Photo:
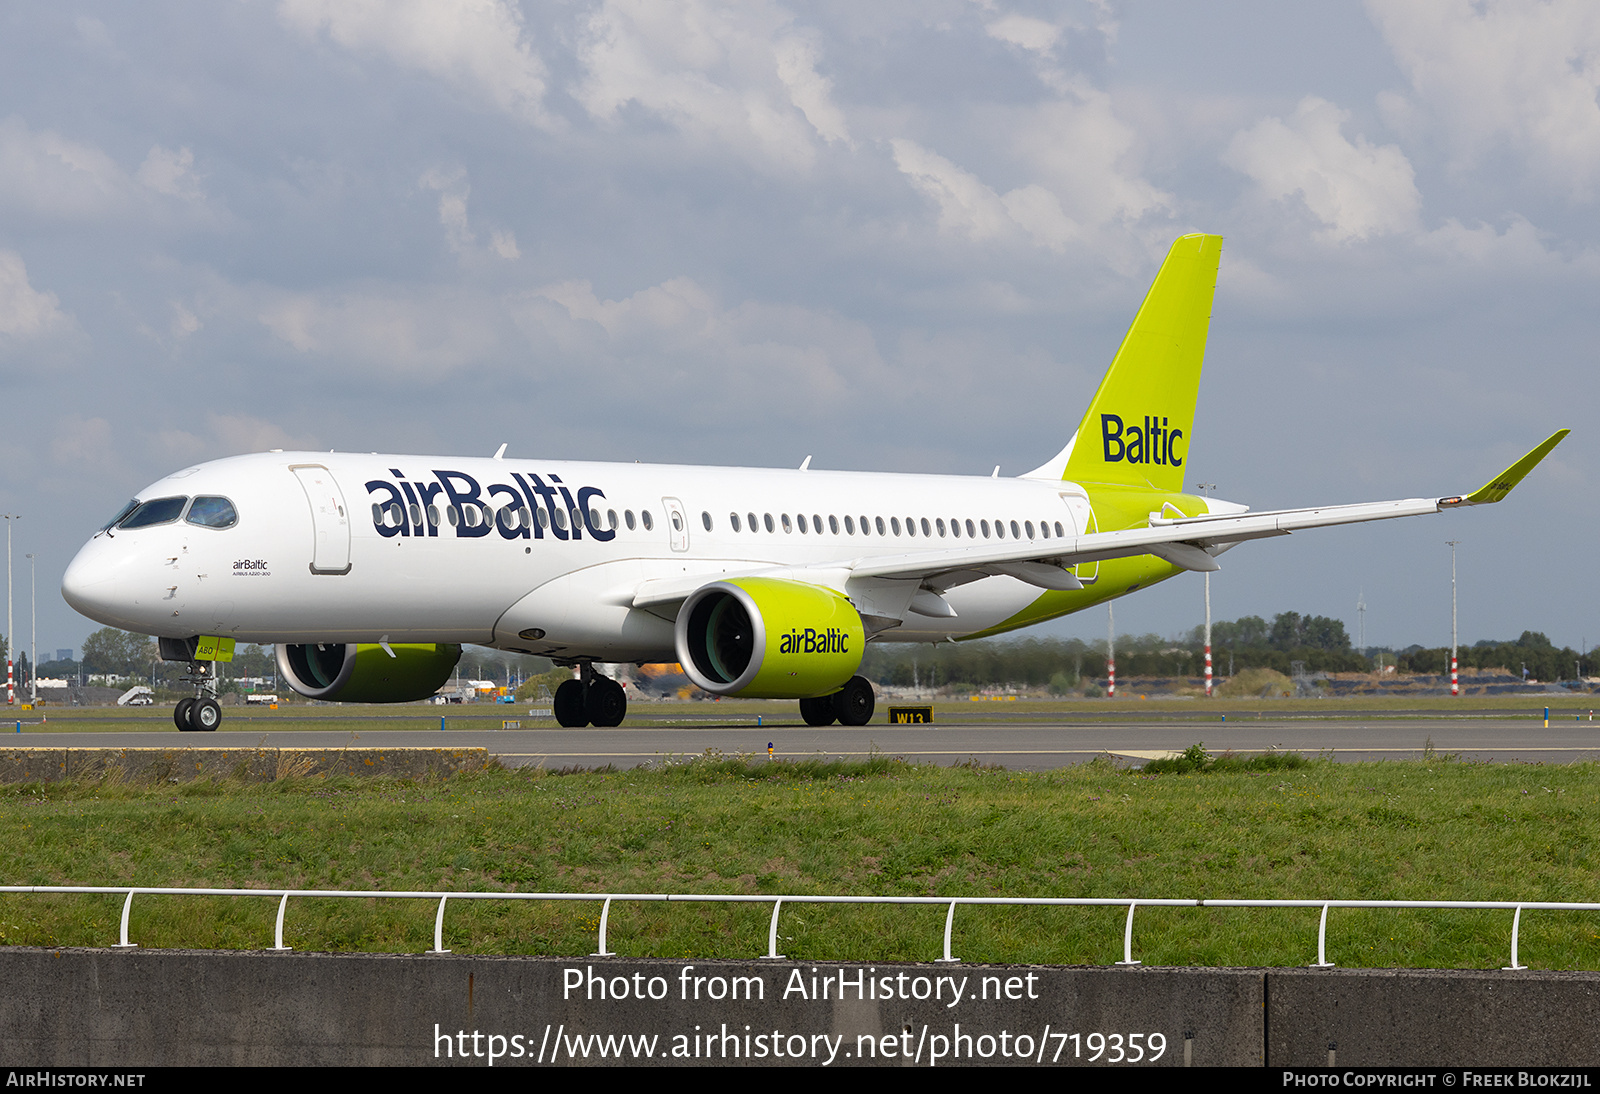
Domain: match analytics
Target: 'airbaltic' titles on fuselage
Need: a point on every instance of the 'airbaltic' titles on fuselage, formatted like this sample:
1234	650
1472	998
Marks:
1154	443
809	640
529	509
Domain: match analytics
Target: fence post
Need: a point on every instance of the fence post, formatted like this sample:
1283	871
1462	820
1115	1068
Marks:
1516	923
772	953
1322	942
127	906
438	926
605	913
1127	937
277	933
949	921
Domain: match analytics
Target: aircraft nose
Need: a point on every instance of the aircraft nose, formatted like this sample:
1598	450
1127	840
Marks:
90	585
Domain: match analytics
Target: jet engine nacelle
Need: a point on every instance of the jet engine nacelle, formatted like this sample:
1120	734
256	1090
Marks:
768	638
365	673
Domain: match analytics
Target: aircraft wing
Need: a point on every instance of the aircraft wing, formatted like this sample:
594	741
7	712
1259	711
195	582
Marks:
1189	542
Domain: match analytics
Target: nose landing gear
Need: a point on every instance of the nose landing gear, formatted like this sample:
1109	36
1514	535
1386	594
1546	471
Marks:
201	714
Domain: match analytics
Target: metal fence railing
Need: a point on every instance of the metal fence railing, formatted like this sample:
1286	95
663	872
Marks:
778	901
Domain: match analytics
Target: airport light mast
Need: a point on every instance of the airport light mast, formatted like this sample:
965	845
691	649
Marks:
1455	680
33	634
11	638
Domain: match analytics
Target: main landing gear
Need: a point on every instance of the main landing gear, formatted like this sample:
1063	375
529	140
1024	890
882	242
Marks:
202	714
590	700
851	705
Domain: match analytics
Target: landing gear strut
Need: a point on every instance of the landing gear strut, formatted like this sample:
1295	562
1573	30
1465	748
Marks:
851	705
202	713
590	700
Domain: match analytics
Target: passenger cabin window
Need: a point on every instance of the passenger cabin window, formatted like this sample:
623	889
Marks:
649	521
733	521
850	525
212	512
787	527
705	519
157	511
627	518
833	523
753	522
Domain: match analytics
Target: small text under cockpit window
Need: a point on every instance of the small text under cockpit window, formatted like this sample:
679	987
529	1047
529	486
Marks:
156	511
213	512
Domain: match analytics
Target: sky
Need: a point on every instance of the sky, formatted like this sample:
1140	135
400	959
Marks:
892	236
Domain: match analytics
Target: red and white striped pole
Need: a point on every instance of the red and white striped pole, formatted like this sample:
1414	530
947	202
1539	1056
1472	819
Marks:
1455	681
1208	635
1111	654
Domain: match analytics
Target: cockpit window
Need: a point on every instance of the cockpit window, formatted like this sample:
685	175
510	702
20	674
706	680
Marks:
121	513
212	512
157	511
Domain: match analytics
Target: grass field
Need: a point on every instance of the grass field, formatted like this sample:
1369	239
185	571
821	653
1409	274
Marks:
333	716
1433	829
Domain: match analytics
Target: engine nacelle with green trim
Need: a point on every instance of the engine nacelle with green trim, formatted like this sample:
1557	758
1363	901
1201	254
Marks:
365	672
767	638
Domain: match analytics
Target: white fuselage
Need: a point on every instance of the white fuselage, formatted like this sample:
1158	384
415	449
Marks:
341	547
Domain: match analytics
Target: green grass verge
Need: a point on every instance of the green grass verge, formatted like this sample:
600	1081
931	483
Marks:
1408	830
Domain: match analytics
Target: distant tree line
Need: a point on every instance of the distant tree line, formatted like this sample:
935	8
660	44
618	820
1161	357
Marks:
1061	664
1533	651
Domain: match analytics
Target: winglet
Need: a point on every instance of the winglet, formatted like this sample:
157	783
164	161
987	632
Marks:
1499	486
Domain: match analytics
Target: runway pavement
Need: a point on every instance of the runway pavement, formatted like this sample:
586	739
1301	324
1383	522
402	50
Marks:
1028	747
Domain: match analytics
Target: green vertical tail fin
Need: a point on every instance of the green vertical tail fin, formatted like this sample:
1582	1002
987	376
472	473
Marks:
1140	422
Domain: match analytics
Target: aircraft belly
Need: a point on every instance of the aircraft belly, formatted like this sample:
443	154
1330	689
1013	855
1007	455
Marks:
588	613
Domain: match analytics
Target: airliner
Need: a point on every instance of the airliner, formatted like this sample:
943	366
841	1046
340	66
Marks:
369	572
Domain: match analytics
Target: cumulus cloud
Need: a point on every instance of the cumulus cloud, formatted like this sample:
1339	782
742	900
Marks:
418	333
223	435
45	173
678	333
739	75
1356	190
1025	31
25	312
170	172
1077	150
1520	74
453	191
85	442
478	45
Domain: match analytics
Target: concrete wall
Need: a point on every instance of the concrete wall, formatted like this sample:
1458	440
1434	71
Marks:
150	765
174	1008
